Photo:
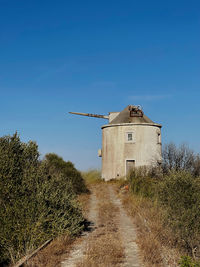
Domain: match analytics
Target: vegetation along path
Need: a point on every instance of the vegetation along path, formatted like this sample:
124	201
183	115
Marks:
111	241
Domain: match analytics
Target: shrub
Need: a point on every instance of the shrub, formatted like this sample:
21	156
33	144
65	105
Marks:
187	261
142	182
35	205
179	193
56	166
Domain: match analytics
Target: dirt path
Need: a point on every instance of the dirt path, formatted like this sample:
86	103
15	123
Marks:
128	234
77	251
112	241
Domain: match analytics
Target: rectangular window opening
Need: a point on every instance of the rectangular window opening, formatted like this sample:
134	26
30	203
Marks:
130	138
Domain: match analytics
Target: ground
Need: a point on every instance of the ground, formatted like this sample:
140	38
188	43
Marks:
111	240
128	234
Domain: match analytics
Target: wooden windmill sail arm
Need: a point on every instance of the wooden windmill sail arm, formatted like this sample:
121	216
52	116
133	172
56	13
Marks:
90	115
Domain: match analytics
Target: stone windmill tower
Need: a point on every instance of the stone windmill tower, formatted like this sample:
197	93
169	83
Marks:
129	140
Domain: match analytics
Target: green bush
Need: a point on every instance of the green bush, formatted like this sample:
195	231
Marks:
35	204
56	166
179	193
142	183
187	261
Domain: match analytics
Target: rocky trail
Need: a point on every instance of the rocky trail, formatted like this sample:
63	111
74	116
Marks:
111	240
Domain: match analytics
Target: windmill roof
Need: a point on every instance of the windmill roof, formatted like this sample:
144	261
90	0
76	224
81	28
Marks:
125	117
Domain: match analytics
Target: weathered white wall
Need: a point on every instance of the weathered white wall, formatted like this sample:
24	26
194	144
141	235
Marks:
145	148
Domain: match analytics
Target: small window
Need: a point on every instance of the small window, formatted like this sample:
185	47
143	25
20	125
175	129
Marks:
130	137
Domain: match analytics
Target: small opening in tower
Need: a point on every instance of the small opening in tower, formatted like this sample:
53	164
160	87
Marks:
130	136
159	138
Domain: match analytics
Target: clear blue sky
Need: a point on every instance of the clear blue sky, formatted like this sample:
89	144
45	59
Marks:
97	56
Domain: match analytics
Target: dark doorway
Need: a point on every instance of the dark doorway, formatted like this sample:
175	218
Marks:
130	164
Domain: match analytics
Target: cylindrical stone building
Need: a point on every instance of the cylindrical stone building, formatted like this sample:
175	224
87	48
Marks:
130	140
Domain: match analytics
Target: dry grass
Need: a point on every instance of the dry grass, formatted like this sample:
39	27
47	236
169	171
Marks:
156	243
53	254
92	177
104	251
83	199
104	247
